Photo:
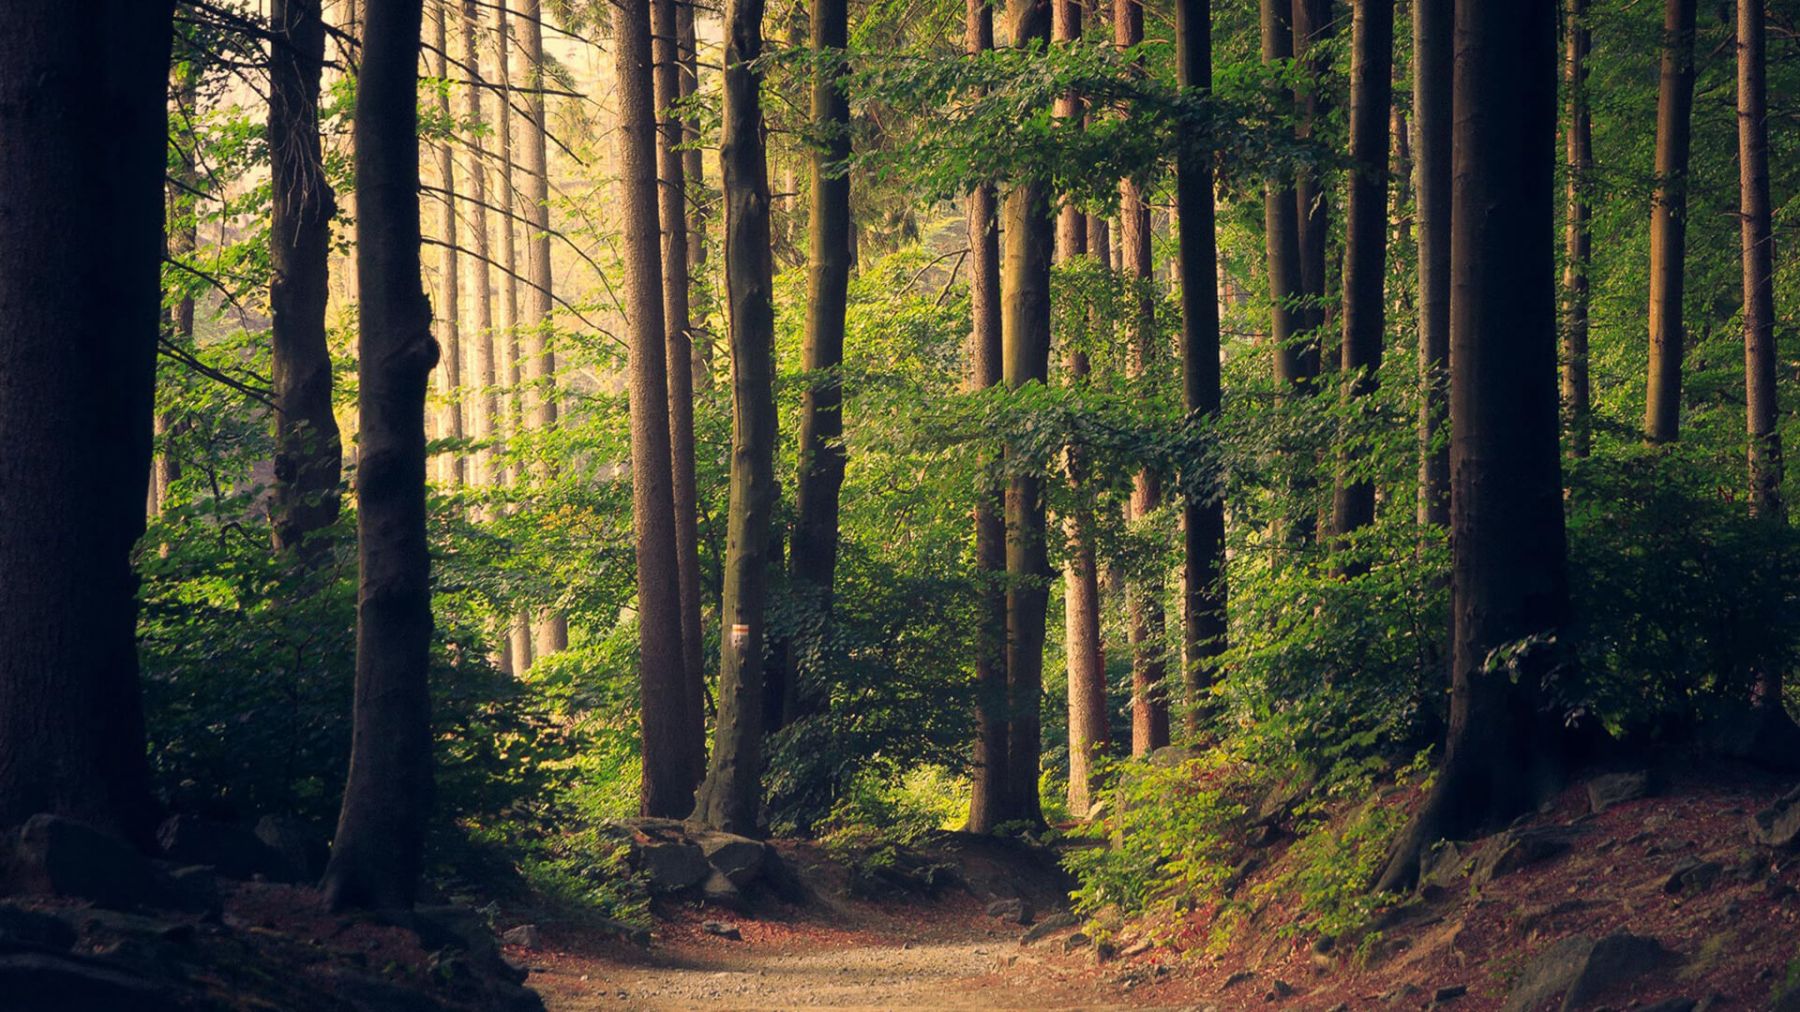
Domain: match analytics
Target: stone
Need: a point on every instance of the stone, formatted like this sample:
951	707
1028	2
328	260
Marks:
1442	867
197	885
1076	941
525	936
235	851
1616	788
719	891
671	866
1670	1005
738	858
364	993
1693	876
462	929
1279	990
1013	911
1055	922
1778	826
1579	969
1237	978
57	856
298	842
1519	848
723	929
31	929
1444	995
39	982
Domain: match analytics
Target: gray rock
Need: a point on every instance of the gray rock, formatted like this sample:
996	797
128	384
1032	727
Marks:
373	994
723	929
671	866
39	982
1519	848
719	891
1444	995
1443	866
1579	969
1778	826
1055	922
235	851
298	842
525	936
1076	941
1617	788
57	856
1013	911
1693	876
463	929
1671	1005
738	858
198	888
22	928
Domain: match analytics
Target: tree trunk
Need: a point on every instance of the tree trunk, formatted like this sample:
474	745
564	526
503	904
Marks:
377	851
1028	234
1668	222
1203	508
1577	241
988	804
486	408
1312	28
1365	241
83	141
518	632
308	453
1509	586
694	178
182	232
731	795
1281	227
450	422
1433	66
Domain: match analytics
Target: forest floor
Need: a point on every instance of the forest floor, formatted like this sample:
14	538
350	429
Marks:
1676	867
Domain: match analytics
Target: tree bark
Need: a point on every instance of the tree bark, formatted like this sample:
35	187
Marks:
1577	240
1365	241
518	632
988	804
1203	508
694	177
1281	229
83	142
377	851
1668	222
1760	396
1312	27
1509	587
731	794
1433	67
453	469
485	410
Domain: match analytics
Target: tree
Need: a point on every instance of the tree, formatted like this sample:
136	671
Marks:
1668	221
1028	234
485	411
1761	400
694	177
81	216
1365	240
183	234
450	423
731	794
1313	27
1577	239
1433	68
518	652
1203	510
377	850
812	558
1509	586
1281	226
988	804
672	210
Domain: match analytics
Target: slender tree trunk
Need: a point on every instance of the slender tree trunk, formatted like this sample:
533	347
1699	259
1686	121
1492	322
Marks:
1281	227
182	232
1577	241
308	453
1668	222
450	421
1028	236
1312	28
1509	583
730	796
1365	241
81	241
485	410
1203	508
694	177
672	210
988	804
518	632
377	851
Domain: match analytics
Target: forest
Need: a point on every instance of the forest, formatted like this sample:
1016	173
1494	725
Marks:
521	504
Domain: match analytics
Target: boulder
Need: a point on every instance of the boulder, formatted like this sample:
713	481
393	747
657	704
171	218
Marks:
1518	848
298	842
40	982
525	936
723	929
1693	876
1778	826
738	858
1671	1005
197	888
463	929
29	929
1580	969
670	866
1049	925
719	891
1616	788
58	856
235	851
1012	911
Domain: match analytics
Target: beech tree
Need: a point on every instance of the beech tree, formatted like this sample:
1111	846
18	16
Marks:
1281	230
377	850
1577	238
449	381
1668	221
1433	70
484	411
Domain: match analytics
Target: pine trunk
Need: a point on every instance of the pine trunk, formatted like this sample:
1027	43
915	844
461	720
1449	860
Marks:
1668	222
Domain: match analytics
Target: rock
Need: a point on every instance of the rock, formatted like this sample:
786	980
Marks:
1442	867
723	929
525	936
718	891
1693	876
1076	941
30	929
1279	990
1580	969
464	929
1237	978
1136	948
1055	922
1170	756
233	850
1617	788
198	888
38	982
364	993
1518	848
1671	1005
299	843
1778	826
671	866
1444	995
738	858
1013	911
57	856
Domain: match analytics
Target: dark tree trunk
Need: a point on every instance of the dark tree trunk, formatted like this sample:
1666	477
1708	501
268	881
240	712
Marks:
308	453
83	136
1281	227
450	421
672	210
1365	241
377	851
182	235
1312	28
731	795
1028	237
1509	586
1761	400
1433	66
668	768
1577	241
1203	508
1668	222
812	558
988	805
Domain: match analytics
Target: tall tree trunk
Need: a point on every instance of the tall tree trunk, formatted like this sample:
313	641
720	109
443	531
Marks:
988	804
377	851
694	177
672	210
450	421
1365	240
1312	27
1433	66
182	235
1509	580
812	559
668	768
1577	240
518	651
1668	222
730	796
485	410
1028	234
81	241
1203	509
550	632
308	453
1281	228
